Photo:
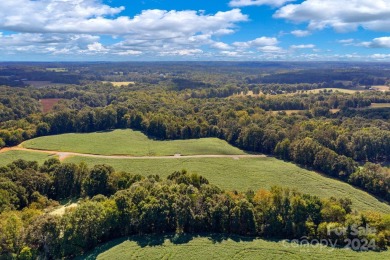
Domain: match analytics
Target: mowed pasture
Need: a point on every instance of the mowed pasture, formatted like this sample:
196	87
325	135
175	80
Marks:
229	174
48	104
380	105
383	88
120	83
7	157
129	142
220	247
247	173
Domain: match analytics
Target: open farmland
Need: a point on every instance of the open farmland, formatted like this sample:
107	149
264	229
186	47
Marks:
219	247
129	142
381	88
48	104
7	157
380	105
229	174
247	173
120	83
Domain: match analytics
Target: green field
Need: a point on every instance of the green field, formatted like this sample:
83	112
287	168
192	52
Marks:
247	173
10	156
129	142
218	247
230	174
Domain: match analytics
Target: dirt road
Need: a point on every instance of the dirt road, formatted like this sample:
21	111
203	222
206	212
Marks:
63	155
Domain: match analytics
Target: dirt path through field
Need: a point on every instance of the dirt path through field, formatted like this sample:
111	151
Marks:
63	155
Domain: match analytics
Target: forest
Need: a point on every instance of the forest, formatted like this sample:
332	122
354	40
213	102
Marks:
269	108
117	204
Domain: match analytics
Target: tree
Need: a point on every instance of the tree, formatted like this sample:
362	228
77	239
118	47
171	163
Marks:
97	180
63	180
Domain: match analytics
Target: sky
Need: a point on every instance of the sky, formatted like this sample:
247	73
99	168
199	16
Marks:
154	30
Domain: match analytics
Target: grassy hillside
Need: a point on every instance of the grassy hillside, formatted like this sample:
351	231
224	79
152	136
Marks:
242	174
247	173
10	156
129	142
218	247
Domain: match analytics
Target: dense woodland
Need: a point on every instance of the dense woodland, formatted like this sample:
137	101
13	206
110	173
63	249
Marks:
334	133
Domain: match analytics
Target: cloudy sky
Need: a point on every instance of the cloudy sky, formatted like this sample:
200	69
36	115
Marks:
127	30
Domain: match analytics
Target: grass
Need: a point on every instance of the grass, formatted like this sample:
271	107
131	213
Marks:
129	142
219	247
247	173
379	105
10	156
381	88
230	174
121	83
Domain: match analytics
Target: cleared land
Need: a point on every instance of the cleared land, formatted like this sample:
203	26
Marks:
247	173
48	104
381	88
219	247
129	142
379	105
7	157
121	83
230	174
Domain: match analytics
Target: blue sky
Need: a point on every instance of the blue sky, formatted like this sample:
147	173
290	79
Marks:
131	30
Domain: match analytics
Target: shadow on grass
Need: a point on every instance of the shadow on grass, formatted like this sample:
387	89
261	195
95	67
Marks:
158	240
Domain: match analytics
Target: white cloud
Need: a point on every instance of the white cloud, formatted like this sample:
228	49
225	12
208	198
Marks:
62	26
47	43
380	56
96	47
182	52
346	41
128	53
230	53
91	16
271	49
301	33
258	42
303	46
221	46
382	42
241	3
342	15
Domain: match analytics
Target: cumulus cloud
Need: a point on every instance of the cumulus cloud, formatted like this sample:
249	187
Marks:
380	56
91	16
221	46
65	24
382	42
342	15
47	43
301	33
258	42
241	3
